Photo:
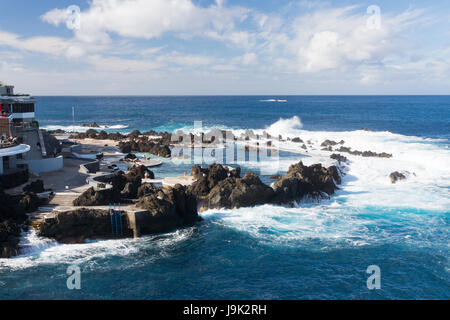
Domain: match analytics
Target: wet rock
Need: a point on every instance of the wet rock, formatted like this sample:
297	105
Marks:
297	139
78	225
338	157
364	153
208	178
13	211
146	146
135	134
9	238
232	193
328	143
102	135
276	177
301	181
146	189
35	186
166	211
30	202
93	125
396	176
130	156
95	198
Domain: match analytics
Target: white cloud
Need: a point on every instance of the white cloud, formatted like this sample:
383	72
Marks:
115	64
249	59
186	60
147	18
47	45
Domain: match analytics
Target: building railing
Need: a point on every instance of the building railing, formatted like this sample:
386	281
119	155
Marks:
4	145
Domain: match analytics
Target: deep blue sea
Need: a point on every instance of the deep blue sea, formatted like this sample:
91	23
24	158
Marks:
312	251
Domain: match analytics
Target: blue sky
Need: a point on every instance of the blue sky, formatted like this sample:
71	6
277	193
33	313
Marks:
159	47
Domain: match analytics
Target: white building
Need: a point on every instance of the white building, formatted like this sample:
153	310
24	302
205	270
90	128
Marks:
6	90
17	120
10	156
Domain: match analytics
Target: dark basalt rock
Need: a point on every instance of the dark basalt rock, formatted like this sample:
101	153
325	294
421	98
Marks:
52	145
124	187
9	239
146	189
35	186
396	176
13	211
276	177
30	202
236	192
144	145
297	139
328	143
102	135
95	198
93	125
338	157
173	209
130	156
364	153
78	225
301	180
135	134
208	178
233	192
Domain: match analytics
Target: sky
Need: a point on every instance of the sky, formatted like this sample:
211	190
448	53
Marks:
225	47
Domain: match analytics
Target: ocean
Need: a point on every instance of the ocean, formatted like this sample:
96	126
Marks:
315	250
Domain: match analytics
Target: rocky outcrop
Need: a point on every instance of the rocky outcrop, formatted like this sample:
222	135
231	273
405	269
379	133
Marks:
52	145
146	189
93	125
93	134
218	187
13	211
168	210
396	176
364	153
163	210
35	186
208	178
78	225
144	145
235	192
297	140
301	181
124	188
9	239
338	157
328	143
92	197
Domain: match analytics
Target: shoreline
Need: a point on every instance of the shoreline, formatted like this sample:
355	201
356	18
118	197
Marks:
112	151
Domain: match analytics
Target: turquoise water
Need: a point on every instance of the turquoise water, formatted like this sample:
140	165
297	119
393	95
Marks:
312	251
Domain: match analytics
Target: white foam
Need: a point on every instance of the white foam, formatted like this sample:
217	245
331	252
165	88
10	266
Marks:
285	126
37	250
83	129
